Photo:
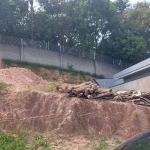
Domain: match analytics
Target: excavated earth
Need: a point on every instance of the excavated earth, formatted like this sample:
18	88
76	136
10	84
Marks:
56	113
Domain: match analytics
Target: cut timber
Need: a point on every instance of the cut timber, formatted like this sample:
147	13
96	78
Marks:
90	90
104	95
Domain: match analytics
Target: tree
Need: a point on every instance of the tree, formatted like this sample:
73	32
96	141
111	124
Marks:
128	40
137	21
12	17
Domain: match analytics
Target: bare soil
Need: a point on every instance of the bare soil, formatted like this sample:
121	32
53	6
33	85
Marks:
54	74
73	123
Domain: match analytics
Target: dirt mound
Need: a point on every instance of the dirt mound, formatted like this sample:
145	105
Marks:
72	116
19	76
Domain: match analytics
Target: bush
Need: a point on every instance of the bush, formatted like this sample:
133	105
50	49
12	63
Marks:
9	142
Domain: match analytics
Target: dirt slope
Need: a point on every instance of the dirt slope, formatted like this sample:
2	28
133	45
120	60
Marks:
54	112
19	76
70	116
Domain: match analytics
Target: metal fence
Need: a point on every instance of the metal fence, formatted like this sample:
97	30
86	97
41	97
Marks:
61	49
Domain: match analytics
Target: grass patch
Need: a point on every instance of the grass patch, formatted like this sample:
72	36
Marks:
4	86
50	87
40	141
18	140
34	66
9	142
135	114
21	133
103	145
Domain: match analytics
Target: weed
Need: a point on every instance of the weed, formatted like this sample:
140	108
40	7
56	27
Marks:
38	136
116	133
40	141
102	144
135	114
3	85
8	142
35	69
118	142
50	87
21	133
44	75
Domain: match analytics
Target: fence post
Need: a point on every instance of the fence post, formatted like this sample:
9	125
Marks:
94	63
113	61
48	45
21	52
60	54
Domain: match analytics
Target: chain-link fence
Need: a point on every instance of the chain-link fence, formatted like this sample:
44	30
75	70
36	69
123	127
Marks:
62	49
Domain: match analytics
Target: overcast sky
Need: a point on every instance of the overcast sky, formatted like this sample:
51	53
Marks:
135	1
132	1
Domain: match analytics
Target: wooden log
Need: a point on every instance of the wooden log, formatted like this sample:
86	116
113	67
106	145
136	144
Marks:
83	84
106	90
145	100
118	97
145	95
144	104
78	90
135	100
89	96
80	94
104	94
86	92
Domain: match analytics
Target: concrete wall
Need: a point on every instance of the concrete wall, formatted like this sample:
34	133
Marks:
142	84
57	59
82	64
106	69
10	51
41	56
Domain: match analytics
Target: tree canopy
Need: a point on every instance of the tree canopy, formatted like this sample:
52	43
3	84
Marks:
98	26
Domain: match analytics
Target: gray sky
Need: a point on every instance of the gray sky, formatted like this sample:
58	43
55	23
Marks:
135	1
132	1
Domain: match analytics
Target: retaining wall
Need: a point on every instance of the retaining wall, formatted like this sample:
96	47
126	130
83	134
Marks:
49	57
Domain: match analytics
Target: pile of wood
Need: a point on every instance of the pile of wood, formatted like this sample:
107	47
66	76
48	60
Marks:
91	90
135	97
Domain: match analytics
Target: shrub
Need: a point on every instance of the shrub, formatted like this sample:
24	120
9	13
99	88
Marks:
9	142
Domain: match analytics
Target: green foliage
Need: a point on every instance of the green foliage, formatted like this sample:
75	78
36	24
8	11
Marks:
129	39
100	26
3	85
9	142
103	145
35	66
40	141
21	133
135	114
12	18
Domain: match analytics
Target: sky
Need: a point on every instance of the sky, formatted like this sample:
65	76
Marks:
135	1
132	1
